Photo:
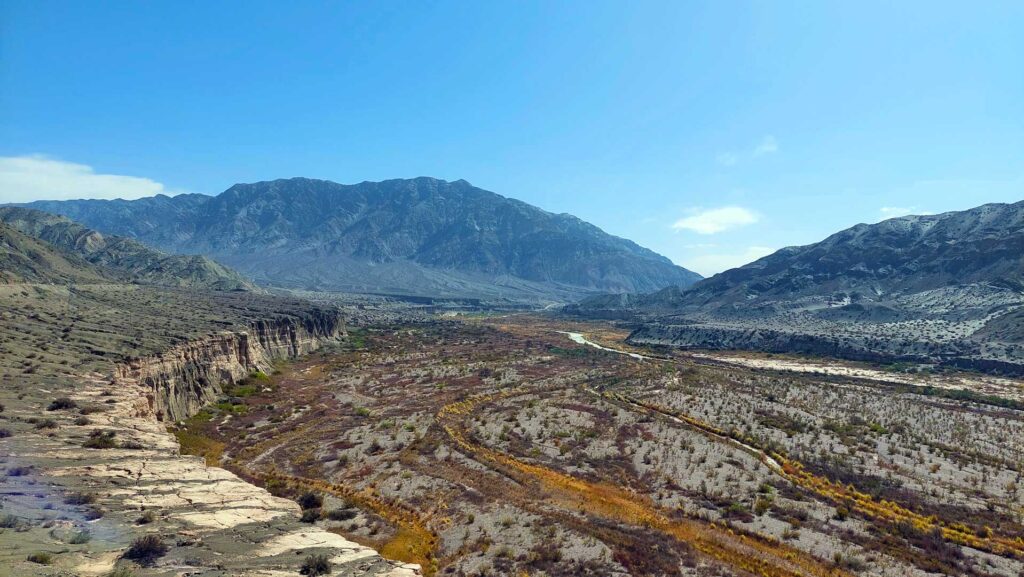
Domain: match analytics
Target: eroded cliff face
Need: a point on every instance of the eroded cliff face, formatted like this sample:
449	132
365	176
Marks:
181	380
223	524
84	501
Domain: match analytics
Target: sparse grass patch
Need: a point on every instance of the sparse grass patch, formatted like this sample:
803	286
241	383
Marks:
231	408
202	416
357	338
200	445
80	498
99	439
411	545
241	391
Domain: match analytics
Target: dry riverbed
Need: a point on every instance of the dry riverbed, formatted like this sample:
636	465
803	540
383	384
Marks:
504	447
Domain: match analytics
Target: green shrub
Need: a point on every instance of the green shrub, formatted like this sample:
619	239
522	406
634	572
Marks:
842	512
761	506
100	440
341	514
316	565
80	538
310	500
79	498
62	404
146	549
310	516
41	557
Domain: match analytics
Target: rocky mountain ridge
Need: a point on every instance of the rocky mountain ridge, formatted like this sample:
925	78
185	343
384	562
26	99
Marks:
946	288
113	258
872	263
420	236
24	259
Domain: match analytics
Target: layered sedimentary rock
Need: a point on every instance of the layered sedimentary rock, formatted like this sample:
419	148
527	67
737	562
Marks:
213	522
181	380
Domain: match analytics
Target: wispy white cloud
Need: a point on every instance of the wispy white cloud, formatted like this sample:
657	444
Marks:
717	220
35	177
712	263
895	211
768	145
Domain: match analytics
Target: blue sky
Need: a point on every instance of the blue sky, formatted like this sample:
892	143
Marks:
710	132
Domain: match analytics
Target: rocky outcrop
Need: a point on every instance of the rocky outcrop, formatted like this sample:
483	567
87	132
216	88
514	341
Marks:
225	525
183	379
89	466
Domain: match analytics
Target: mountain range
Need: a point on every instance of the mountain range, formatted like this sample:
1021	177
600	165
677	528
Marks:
419	236
945	286
43	247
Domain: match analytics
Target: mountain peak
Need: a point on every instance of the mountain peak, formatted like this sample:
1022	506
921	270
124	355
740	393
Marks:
422	236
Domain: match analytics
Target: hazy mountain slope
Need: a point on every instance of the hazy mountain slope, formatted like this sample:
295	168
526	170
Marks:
881	261
26	259
946	287
422	235
139	218
122	258
864	264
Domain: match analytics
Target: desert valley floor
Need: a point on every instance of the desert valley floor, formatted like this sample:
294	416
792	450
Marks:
498	445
